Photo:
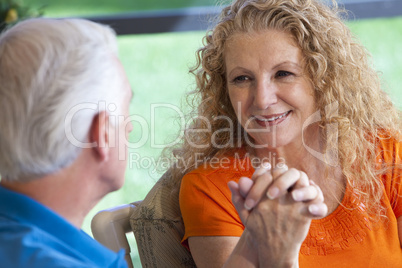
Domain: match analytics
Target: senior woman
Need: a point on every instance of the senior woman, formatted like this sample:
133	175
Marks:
293	127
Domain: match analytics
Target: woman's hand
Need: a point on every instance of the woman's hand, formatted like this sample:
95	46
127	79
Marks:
249	191
276	207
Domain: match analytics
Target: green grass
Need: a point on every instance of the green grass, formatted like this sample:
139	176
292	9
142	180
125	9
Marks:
157	66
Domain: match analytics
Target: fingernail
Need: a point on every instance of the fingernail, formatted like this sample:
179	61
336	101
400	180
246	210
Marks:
273	193
260	171
297	195
282	166
266	165
249	204
313	209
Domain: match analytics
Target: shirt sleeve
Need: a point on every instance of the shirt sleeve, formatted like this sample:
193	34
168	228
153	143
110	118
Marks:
206	207
390	155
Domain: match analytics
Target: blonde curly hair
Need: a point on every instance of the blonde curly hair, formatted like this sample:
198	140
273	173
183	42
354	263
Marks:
338	67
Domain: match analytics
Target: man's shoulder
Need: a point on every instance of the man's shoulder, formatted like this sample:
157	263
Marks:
25	245
13	231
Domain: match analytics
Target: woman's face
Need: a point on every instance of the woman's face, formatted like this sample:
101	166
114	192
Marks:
270	93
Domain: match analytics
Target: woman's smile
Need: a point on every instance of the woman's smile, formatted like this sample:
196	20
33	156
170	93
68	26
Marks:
271	120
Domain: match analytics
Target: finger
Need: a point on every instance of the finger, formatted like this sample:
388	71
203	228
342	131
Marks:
238	200
258	190
305	194
283	183
264	167
245	185
303	181
320	195
311	194
314	211
318	210
234	189
279	170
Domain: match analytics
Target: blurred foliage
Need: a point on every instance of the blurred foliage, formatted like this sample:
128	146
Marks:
13	11
63	8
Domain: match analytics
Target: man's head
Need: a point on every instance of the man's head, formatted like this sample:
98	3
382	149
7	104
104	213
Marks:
56	77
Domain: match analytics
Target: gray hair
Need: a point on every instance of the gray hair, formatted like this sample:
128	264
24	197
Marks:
48	68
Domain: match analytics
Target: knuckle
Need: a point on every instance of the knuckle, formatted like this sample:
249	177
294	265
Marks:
304	179
320	197
263	181
266	176
294	171
258	172
281	184
262	208
304	176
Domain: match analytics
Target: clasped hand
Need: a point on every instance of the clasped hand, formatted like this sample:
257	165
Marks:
276	207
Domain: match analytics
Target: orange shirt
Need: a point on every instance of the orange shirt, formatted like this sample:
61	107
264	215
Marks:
344	238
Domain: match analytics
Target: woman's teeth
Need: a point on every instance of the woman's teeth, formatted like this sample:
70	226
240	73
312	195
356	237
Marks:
260	118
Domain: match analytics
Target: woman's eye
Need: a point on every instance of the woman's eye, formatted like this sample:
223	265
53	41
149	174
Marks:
283	74
241	78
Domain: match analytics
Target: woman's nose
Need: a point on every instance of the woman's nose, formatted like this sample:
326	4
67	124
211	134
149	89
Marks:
265	94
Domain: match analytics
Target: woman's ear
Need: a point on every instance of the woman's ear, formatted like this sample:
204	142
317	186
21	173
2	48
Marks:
99	135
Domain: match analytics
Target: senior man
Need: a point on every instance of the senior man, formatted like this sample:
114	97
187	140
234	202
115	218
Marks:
62	89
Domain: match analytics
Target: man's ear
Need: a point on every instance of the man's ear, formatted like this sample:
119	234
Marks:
99	135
